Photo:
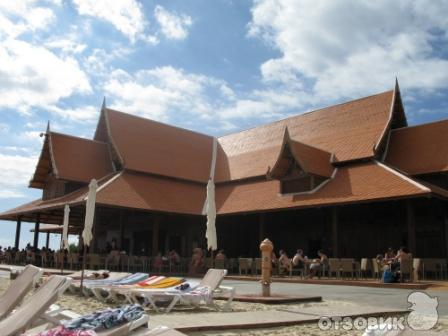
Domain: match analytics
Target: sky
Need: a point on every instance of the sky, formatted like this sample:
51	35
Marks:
213	66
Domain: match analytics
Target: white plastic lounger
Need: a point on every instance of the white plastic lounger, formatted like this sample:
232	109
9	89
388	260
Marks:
18	289
35	307
105	292
204	293
113	276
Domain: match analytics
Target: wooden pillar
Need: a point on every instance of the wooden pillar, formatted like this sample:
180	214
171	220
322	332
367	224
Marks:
120	243
155	235
410	222
335	231
445	227
47	243
36	231
262	227
18	228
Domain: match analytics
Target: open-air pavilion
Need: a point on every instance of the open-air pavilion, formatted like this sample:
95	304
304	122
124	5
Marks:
352	178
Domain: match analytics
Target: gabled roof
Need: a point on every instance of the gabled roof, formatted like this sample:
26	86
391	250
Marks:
147	192
148	146
351	131
361	182
421	149
310	159
71	158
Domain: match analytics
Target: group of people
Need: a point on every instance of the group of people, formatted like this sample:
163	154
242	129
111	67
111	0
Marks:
391	261
29	254
286	265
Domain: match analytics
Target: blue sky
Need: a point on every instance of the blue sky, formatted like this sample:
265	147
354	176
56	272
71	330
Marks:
212	66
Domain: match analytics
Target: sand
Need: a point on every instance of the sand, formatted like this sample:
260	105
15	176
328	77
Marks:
83	305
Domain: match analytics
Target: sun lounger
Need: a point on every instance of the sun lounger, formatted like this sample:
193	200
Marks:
113	276
35	307
103	292
156	283
204	293
18	289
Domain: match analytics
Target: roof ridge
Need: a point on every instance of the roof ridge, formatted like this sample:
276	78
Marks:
305	113
158	122
403	176
421	125
78	138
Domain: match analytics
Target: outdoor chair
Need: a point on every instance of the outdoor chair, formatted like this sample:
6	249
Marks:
17	290
8	258
35	307
94	261
257	264
376	269
74	260
416	269
45	260
334	267
208	263
220	263
406	268
347	267
431	267
145	263
135	264
364	268
243	265
59	259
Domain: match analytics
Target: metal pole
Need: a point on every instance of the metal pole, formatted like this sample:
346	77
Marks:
18	228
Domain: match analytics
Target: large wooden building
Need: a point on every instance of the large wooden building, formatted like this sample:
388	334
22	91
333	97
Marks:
352	178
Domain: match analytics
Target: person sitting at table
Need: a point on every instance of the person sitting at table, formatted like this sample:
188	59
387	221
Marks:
318	264
221	255
390	255
284	263
158	263
298	261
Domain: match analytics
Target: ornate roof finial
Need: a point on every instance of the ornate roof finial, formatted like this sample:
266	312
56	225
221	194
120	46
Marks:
47	131
103	105
397	87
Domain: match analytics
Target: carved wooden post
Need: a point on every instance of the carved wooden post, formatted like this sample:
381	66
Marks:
266	248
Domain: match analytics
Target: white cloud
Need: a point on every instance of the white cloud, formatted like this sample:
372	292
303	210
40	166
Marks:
84	114
34	76
351	48
15	174
125	15
17	17
174	26
162	93
66	45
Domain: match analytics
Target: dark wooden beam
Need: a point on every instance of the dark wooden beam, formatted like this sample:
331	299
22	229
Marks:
410	223
335	231
47	243
36	231
262	227
155	235
120	243
18	228
445	227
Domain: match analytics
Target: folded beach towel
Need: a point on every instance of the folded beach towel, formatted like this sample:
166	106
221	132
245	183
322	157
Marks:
163	283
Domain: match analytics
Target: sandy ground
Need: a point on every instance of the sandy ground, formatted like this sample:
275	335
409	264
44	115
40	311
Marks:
83	305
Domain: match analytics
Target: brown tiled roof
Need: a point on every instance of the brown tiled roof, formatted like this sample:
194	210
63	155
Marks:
72	159
355	183
311	159
74	198
152	147
79	159
420	149
146	192
350	131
